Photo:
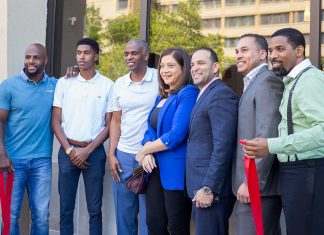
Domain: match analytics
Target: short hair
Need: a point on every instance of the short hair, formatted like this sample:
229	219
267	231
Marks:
90	42
294	37
143	44
259	39
213	55
182	58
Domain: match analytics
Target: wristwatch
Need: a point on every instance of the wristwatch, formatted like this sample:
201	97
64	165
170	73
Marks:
207	190
69	150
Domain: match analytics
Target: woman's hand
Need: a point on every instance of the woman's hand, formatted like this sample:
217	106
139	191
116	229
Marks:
140	155
148	163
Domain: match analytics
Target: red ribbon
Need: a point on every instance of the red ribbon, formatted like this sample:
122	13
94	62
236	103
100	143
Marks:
254	192
5	198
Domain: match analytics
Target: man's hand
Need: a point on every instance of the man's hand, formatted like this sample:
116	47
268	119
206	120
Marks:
243	195
78	157
72	71
149	163
256	148
203	200
114	167
5	163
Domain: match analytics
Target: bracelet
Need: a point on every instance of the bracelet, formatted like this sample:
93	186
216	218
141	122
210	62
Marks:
207	190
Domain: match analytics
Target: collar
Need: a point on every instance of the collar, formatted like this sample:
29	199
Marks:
247	79
254	71
92	80
298	68
27	79
147	77
206	86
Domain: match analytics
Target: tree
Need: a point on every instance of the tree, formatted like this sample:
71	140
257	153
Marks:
93	24
122	29
112	62
181	28
117	33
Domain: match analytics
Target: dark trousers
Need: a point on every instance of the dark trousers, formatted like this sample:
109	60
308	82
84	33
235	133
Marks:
302	188
167	211
214	220
93	184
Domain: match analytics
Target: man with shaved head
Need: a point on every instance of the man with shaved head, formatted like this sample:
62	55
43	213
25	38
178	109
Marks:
26	137
134	96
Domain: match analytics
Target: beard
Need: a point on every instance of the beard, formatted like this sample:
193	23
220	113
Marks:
33	74
280	71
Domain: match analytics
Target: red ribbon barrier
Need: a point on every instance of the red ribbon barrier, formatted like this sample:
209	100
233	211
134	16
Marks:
254	192
5	198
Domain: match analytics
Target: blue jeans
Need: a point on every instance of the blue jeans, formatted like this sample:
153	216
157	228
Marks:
93	184
35	175
127	203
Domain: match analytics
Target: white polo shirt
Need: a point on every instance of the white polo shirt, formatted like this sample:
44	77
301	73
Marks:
84	104
135	100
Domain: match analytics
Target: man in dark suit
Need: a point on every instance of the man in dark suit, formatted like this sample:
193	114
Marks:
258	117
211	142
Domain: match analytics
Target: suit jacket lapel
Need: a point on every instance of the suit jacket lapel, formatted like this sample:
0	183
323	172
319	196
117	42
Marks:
201	98
264	68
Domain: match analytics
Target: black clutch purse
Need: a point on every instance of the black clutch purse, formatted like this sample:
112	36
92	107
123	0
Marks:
137	183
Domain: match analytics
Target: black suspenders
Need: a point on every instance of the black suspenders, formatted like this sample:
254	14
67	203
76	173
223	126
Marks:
290	127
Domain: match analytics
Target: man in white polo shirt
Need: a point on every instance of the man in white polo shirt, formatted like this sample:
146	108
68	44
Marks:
134	96
80	120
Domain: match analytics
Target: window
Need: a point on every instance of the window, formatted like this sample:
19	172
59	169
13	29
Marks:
271	1
281	18
122	4
239	21
212	23
175	8
298	16
239	2
231	42
164	8
210	3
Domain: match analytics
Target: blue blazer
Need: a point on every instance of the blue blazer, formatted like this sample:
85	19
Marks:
172	129
212	140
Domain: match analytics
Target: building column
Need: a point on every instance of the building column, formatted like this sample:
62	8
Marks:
3	39
21	23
